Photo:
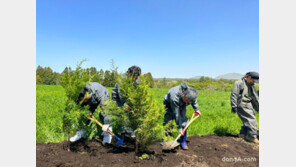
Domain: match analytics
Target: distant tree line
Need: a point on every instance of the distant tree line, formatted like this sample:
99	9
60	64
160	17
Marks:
46	76
108	78
203	83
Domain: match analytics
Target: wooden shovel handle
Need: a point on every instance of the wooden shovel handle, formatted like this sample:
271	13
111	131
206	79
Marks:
191	120
193	117
93	119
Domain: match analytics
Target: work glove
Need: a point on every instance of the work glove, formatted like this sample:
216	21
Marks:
106	127
234	110
181	132
197	113
127	109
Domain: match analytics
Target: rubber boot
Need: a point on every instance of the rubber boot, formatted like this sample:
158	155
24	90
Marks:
120	142
183	141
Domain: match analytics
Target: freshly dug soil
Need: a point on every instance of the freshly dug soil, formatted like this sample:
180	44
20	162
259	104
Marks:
203	151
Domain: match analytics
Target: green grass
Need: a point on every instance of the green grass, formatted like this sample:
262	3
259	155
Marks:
50	101
214	105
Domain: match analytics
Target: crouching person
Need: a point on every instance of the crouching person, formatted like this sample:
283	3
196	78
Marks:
94	95
244	98
175	104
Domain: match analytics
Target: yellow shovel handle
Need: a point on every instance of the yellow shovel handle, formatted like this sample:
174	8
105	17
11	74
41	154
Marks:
93	119
193	117
191	120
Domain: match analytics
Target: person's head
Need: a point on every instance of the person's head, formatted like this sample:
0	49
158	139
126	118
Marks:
189	95
252	77
83	97
134	71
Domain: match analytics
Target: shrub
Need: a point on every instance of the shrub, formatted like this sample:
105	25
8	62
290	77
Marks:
144	115
74	116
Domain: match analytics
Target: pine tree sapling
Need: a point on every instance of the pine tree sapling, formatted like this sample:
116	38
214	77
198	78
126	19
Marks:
73	81
143	116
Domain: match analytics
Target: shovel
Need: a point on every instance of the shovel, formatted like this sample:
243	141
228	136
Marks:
119	141
172	144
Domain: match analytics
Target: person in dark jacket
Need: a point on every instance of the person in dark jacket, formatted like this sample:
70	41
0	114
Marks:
94	95
244	100
175	104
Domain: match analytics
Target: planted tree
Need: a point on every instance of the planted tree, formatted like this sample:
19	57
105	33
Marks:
74	118
144	116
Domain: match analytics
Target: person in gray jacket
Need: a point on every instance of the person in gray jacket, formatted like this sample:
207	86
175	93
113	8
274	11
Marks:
134	72
244	98
94	95
175	104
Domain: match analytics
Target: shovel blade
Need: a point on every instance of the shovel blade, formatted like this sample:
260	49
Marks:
119	142
170	145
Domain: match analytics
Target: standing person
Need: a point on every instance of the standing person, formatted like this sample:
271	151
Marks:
175	104
94	95
244	98
134	72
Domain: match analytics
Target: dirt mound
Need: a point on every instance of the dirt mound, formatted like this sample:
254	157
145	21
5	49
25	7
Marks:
203	151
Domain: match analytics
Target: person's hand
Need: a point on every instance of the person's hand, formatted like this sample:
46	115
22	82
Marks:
105	127
197	113
234	110
181	132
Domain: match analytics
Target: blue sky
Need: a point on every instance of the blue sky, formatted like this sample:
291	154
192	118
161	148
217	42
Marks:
169	38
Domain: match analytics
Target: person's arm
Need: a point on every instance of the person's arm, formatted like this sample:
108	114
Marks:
234	96
195	108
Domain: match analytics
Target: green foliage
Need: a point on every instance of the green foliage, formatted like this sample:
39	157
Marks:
204	83
144	156
149	79
214	105
73	81
74	118
98	76
50	110
118	118
205	79
110	77
214	86
164	83
46	76
144	116
38	80
50	101
257	86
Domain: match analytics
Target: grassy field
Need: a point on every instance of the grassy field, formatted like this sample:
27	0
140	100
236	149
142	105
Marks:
214	106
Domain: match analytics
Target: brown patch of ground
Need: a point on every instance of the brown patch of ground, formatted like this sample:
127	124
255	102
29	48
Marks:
203	151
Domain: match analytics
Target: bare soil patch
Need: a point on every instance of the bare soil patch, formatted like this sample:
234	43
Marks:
210	150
